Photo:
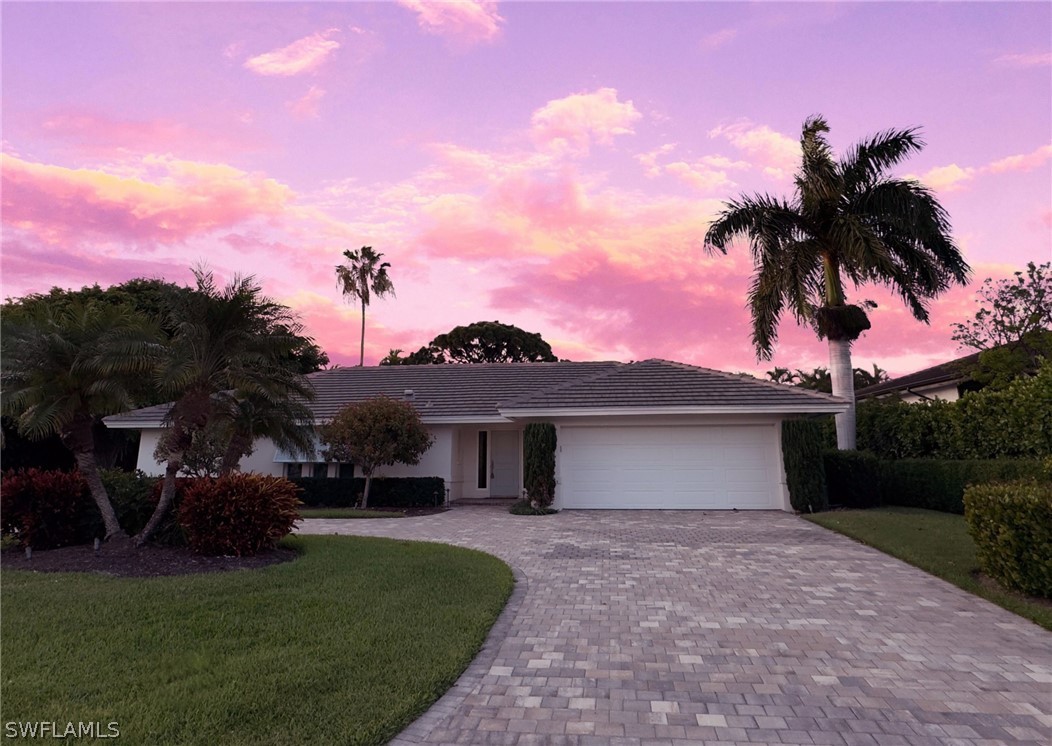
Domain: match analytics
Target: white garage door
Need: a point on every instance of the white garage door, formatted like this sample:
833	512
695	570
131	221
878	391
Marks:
669	467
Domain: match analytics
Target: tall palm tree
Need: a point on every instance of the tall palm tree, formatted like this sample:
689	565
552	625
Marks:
287	422
64	367
848	219
363	276
229	339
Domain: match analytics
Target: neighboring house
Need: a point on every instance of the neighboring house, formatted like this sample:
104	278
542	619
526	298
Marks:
652	434
946	381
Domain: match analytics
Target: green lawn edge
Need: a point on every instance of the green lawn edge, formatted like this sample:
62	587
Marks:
937	543
355	513
348	644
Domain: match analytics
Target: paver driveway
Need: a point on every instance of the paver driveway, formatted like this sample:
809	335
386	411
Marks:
676	626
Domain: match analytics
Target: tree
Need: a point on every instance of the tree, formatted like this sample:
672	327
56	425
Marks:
481	342
820	380
67	365
1012	329
232	339
362	277
376	432
287	422
847	220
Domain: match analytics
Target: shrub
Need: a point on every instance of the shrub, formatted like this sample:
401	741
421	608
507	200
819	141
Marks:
802	444
937	484
525	507
852	478
239	514
47	509
386	492
539	442
1011	523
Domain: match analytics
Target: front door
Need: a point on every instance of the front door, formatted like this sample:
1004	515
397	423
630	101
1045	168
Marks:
504	464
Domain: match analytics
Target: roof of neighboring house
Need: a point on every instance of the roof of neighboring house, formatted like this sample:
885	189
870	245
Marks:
954	371
496	391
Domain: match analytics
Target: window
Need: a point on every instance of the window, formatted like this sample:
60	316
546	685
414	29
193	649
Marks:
483	459
346	471
320	471
293	471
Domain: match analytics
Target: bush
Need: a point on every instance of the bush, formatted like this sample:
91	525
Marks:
239	514
47	509
852	478
1011	523
525	507
802	444
386	492
940	484
539	443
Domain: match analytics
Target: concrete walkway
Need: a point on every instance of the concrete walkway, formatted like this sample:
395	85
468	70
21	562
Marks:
647	627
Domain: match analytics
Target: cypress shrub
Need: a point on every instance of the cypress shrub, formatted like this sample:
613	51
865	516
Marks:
852	478
1011	523
802	444
937	484
539	442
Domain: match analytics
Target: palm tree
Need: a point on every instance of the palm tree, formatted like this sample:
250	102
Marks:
287	422
848	219
230	339
362	277
67	365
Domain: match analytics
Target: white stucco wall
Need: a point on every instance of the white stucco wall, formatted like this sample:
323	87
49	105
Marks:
261	461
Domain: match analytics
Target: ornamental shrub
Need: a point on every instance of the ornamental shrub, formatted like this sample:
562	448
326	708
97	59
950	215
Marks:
1011	523
386	492
802	444
939	484
539	443
47	509
238	514
852	478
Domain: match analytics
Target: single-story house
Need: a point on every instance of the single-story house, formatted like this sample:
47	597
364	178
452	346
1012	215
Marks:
650	434
946	381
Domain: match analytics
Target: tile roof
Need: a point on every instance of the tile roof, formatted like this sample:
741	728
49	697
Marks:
954	370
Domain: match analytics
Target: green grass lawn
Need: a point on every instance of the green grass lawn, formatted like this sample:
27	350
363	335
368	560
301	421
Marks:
347	644
347	513
938	543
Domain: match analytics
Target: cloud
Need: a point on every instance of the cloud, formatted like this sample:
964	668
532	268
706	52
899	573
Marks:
465	21
717	39
949	178
776	154
952	178
573	123
306	106
1026	162
649	160
301	56
161	199
1038	59
708	173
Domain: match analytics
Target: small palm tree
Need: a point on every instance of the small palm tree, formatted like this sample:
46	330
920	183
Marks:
363	276
848	219
229	339
66	366
287	422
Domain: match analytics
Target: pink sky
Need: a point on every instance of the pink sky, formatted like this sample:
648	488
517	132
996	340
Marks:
548	165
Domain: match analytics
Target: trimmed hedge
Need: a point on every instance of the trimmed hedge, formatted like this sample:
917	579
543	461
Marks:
1011	523
853	478
539	443
386	492
802	444
940	485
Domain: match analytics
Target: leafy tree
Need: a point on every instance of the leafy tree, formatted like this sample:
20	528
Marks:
67	365
363	276
1012	328
226	339
481	342
847	220
782	375
376	432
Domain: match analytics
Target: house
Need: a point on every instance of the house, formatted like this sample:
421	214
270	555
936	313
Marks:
946	381
651	434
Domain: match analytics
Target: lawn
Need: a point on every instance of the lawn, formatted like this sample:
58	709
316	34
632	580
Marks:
348	513
347	644
935	542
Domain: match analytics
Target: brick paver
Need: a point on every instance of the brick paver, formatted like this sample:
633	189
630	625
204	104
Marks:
675	627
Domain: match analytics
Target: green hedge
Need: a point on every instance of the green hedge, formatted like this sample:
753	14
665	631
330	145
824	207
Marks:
853	478
386	492
940	485
802	444
539	443
1011	523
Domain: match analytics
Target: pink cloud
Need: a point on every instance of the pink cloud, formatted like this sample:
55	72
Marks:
948	178
572	123
952	178
466	21
1037	59
1026	162
306	107
301	56
707	174
776	154
650	159
718	39
168	200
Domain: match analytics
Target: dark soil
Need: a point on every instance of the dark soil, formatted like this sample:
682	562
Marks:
124	559
990	584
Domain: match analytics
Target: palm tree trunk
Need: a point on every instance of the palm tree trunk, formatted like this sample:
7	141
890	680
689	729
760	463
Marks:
232	455
361	358
165	501
89	469
843	386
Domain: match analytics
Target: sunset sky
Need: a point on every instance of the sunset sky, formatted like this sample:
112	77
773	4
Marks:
549	165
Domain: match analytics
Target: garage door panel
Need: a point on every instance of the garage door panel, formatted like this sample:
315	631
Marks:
669	467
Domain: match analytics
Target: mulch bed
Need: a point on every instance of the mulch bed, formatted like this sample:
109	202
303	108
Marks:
126	560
